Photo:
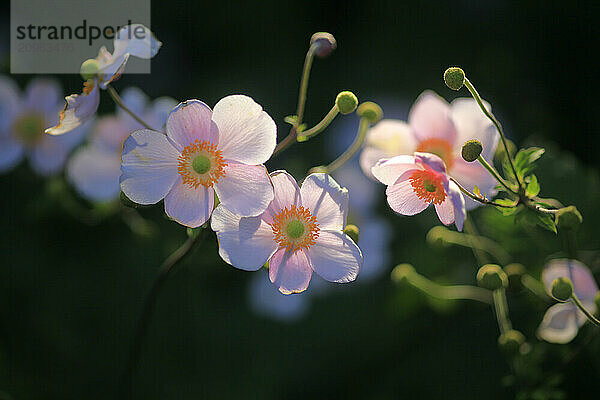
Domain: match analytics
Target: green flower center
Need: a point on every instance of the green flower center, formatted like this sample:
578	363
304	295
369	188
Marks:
295	229
30	128
430	187
201	164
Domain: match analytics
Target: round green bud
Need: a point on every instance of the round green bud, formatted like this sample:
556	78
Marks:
511	341
352	231
454	78
568	218
89	68
346	102
370	111
401	272
471	150
562	289
492	277
514	272
324	43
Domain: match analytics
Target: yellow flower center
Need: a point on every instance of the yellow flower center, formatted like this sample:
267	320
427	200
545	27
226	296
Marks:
295	228
201	163
428	186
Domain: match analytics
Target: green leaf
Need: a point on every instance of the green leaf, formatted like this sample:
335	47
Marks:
291	119
533	187
525	159
507	202
546	221
476	191
526	216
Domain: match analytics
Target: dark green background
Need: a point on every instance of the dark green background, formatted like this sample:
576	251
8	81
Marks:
70	292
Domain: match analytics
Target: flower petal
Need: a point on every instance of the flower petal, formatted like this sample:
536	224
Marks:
43	95
471	123
189	206
136	40
9	102
374	240
559	324
50	152
402	198
452	208
429	118
388	171
136	100
149	167
432	161
94	172
473	174
11	152
369	157
244	242
189	121
290	271
393	136
584	285
286	193
326	200
245	190
335	257
110	132
78	109
158	112
247	134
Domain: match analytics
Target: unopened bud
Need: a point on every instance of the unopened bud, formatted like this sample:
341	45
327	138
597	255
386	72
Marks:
454	78
325	43
562	289
370	111
471	150
492	277
568	218
346	102
511	341
401	272
89	68
352	231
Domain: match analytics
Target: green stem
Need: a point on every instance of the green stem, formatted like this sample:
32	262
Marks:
117	99
291	137
501	308
495	174
315	130
354	147
454	292
480	199
584	310
496	123
534	286
475	242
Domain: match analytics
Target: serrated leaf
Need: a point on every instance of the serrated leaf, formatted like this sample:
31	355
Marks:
533	187
526	158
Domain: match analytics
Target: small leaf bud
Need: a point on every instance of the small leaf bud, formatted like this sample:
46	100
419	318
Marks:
492	277
454	78
352	231
471	150
568	218
562	289
325	43
511	341
89	68
370	111
346	102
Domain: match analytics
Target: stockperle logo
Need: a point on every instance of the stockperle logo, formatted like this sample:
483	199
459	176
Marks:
53	37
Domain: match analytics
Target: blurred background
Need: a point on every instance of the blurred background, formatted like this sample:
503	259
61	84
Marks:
70	292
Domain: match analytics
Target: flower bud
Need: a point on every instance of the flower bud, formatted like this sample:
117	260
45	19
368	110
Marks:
454	78
511	341
89	68
568	218
370	111
401	272
325	43
562	289
346	102
352	231
471	150
492	277
514	272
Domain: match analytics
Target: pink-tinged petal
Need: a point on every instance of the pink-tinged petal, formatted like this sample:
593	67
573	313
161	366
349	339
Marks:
335	257
190	121
43	95
286	194
112	70
429	118
369	157
158	112
559	324
245	190
326	200
11	152
49	154
269	302
136	100
402	198
584	285
387	139
149	167
9	102
189	206
78	109
94	172
110	132
473	174
452	208
245	242
431	161
247	134
290	271
388	171
471	123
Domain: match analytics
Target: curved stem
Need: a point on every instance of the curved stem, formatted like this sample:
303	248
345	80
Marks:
501	308
315	130
480	199
495	174
454	292
291	137
117	99
143	322
354	147
584	310
496	123
475	242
